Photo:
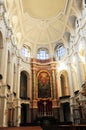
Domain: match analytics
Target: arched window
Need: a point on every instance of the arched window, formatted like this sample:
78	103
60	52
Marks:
23	85
25	51
62	79
60	51
43	54
64	84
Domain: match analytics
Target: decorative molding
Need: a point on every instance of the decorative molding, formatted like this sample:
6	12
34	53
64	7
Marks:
83	91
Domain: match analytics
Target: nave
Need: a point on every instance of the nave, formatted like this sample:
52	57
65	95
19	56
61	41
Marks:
42	64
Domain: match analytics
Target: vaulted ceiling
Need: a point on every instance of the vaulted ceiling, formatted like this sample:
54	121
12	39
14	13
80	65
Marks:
42	21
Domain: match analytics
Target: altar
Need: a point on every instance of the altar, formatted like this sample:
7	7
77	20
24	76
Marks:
44	107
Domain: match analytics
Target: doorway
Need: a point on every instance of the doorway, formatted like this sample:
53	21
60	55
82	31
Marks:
24	114
66	111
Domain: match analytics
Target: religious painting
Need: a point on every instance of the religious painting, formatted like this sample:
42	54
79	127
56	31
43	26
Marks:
44	90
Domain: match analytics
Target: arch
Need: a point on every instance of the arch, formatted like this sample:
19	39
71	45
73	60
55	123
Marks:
24	85
64	82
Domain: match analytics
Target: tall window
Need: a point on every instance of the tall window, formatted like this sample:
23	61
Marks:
60	51
43	54
25	51
23	84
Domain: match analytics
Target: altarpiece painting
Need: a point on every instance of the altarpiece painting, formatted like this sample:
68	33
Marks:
44	90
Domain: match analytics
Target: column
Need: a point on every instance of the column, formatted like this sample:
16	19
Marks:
83	71
79	71
15	116
85	57
71	85
1	50
3	105
31	110
1	111
30	86
2	58
18	81
18	114
5	111
34	87
14	80
54	85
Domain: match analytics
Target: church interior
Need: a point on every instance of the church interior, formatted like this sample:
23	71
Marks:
42	62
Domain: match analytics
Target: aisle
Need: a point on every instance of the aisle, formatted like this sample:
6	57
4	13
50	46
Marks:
22	128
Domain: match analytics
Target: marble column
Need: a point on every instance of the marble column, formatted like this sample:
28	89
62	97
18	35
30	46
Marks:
79	71
18	114
85	56
54	85
34	84
71	85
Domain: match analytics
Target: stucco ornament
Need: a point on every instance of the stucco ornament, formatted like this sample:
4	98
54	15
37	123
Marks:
83	91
